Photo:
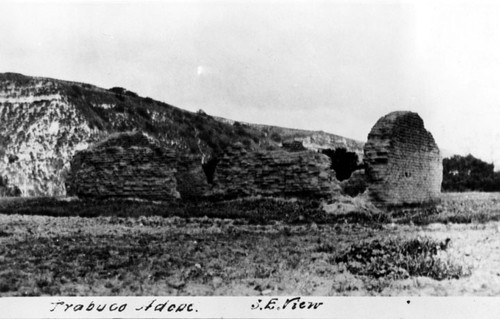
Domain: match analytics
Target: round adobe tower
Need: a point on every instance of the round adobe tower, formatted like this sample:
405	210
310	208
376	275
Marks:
403	162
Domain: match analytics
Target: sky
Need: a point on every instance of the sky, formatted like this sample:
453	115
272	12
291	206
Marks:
336	66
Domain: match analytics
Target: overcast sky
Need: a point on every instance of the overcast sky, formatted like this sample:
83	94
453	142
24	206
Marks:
320	65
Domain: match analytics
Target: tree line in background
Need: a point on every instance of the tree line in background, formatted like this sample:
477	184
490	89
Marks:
467	173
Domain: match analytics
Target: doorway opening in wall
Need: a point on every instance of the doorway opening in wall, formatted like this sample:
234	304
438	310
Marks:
343	162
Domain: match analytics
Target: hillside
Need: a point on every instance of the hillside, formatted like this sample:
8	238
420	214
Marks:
314	140
44	121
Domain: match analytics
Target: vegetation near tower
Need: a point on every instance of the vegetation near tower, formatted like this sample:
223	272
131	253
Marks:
467	173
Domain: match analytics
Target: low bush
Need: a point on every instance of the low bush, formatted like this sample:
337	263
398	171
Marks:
400	259
132	94
117	90
355	185
120	108
143	112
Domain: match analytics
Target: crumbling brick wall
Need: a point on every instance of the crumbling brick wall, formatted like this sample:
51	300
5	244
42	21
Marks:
303	174
126	165
133	165
403	162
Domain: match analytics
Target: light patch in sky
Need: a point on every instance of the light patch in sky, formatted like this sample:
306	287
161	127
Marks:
199	70
203	70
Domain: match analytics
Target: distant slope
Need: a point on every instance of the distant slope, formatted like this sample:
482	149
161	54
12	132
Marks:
314	140
44	121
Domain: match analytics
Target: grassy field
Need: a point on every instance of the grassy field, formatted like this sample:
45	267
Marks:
260	247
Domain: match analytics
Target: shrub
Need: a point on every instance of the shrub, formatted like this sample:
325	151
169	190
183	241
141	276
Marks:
355	185
401	259
247	142
143	112
151	128
120	107
132	94
117	90
239	129
75	91
275	137
209	169
200	112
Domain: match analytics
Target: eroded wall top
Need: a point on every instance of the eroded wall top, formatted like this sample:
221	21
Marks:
124	165
279	173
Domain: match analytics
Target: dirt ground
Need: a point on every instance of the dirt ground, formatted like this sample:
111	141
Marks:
41	255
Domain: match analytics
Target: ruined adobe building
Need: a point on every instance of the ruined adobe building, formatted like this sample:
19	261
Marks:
403	162
125	165
402	166
133	165
303	174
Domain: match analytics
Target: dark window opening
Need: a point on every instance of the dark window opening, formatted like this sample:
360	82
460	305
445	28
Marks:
343	162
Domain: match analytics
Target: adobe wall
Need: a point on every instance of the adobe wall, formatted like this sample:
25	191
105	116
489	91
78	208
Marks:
128	165
279	173
132	165
403	162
